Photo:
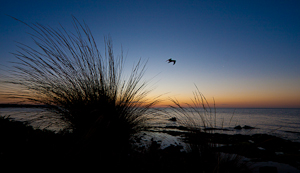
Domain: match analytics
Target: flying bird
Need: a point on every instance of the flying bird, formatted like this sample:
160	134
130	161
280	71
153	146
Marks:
171	60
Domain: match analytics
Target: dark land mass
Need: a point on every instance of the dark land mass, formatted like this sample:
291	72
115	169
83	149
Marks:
258	147
22	145
22	106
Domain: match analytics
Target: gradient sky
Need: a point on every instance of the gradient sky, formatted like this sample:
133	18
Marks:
241	53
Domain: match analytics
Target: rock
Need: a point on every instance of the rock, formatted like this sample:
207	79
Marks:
210	128
245	127
173	119
248	127
173	149
279	153
238	127
261	148
268	169
182	128
251	141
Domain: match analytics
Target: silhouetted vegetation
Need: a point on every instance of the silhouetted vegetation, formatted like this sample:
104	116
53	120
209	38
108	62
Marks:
200	119
86	90
20	143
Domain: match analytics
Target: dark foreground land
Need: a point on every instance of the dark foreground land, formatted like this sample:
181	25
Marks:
32	148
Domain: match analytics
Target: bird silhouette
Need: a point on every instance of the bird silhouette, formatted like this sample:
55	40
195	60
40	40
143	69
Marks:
171	60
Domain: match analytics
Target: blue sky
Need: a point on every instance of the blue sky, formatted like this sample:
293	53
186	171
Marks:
242	53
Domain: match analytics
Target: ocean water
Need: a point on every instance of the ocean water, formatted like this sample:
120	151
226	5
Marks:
284	123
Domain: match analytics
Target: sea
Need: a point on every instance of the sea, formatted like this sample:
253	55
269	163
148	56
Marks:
283	123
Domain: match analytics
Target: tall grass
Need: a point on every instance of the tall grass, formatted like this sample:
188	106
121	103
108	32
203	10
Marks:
197	116
200	119
87	90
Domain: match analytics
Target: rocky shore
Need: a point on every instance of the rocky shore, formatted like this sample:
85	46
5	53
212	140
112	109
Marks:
21	143
256	148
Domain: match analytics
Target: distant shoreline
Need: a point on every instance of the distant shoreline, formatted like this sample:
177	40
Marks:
22	106
7	105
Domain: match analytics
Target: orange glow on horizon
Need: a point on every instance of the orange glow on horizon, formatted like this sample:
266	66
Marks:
244	101
241	102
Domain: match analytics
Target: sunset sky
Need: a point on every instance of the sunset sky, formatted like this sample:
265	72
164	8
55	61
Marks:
241	53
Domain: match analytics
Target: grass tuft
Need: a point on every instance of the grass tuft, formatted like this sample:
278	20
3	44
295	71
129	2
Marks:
200	119
86	90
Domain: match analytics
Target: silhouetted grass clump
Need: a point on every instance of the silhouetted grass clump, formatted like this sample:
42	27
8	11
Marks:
85	89
200	120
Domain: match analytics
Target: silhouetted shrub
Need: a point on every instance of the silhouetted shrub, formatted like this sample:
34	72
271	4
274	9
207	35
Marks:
86	90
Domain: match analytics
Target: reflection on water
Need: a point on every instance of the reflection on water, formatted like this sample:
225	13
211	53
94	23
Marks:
284	123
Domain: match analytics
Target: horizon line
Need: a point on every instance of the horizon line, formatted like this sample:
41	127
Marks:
3	105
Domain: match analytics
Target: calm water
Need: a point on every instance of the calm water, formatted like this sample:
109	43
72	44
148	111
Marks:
284	123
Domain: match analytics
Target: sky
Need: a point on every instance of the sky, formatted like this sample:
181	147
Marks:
239	53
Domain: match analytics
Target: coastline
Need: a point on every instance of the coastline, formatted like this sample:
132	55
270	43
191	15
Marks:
256	147
21	141
22	106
